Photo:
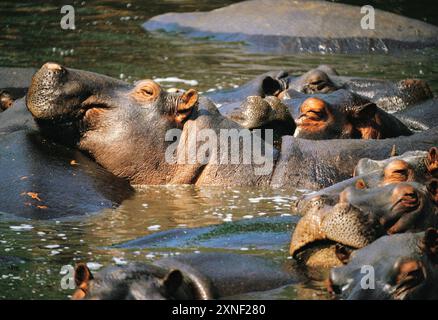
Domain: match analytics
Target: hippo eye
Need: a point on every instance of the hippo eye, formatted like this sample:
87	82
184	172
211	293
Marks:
146	91
409	274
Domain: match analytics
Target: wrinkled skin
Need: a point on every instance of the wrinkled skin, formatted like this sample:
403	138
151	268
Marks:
202	276
421	116
324	163
405	267
100	115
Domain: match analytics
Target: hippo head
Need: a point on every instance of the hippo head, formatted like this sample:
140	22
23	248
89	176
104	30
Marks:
360	217
131	282
121	125
264	113
402	266
399	207
314	81
320	120
6	100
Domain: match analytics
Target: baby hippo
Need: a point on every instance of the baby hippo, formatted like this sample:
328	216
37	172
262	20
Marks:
319	120
396	267
201	276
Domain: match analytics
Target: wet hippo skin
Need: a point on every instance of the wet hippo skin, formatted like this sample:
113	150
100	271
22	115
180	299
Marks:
192	276
405	267
43	180
271	233
300	26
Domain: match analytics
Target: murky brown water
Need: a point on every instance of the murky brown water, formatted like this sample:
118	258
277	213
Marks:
109	39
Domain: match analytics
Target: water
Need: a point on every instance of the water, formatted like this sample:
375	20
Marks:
109	39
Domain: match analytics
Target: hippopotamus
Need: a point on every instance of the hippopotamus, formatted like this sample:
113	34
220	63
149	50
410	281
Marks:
360	217
121	125
203	276
124	127
300	26
13	85
421	116
47	180
412	166
321	120
395	267
388	95
263	113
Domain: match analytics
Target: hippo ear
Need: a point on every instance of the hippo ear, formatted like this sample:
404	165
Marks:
432	187
364	112
343	253
271	87
430	244
188	101
82	274
360	184
432	161
173	280
82	277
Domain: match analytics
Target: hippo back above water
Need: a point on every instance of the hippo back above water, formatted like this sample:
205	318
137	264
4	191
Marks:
300	26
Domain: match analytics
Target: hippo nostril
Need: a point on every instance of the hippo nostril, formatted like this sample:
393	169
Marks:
52	66
333	288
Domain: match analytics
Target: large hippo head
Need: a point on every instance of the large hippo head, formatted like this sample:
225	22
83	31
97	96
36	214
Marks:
319	120
403	266
110	119
131	129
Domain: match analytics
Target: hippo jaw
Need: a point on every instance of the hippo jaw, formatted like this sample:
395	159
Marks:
343	224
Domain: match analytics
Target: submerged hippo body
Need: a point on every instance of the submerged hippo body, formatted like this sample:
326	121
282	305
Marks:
388	95
44	180
404	267
187	277
300	26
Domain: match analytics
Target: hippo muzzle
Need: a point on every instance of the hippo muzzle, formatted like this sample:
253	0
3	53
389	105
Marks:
59	94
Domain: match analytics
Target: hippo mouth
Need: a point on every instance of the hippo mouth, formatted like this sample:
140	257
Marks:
343	224
404	211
